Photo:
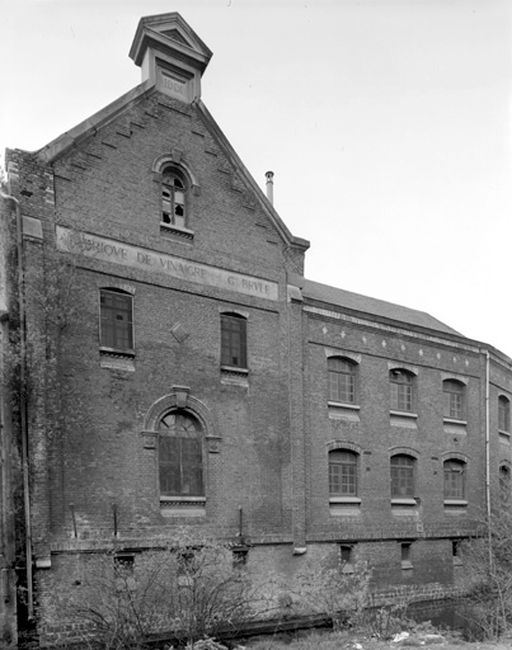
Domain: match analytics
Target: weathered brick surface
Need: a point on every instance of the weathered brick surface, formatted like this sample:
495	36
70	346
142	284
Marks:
88	451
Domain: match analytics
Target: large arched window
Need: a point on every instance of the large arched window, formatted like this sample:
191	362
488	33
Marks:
233	331
453	399
116	320
454	479
174	198
401	389
180	455
402	476
504	414
343	473
342	380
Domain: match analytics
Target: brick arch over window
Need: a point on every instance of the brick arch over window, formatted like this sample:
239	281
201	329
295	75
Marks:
175	160
180	399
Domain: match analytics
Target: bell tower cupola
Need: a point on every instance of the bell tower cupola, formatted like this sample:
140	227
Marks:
171	55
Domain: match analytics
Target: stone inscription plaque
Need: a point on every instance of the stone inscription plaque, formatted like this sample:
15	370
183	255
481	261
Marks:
110	250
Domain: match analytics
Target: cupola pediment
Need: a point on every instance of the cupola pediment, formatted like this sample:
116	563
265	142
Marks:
171	55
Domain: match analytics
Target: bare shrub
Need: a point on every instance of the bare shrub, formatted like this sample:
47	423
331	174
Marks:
341	591
187	591
489	563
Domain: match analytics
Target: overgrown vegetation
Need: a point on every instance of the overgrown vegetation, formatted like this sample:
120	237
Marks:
188	591
489	561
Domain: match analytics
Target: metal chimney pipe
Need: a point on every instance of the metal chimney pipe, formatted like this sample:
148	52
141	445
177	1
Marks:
270	186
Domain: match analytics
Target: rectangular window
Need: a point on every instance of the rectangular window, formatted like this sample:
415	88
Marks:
116	320
346	553
405	555
233	340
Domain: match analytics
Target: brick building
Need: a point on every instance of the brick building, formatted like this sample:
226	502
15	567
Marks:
180	370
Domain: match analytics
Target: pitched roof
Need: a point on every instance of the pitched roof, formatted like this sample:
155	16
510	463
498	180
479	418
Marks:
364	304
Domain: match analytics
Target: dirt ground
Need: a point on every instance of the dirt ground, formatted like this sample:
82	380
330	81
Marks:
340	641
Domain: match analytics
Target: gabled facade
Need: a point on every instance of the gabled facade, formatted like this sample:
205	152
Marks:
180	370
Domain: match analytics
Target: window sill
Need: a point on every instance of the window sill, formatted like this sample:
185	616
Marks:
454	427
182	506
117	353
117	360
405	501
404	419
344	506
179	232
404	414
235	376
343	411
456	421
349	500
504	435
183	499
455	503
344	405
406	565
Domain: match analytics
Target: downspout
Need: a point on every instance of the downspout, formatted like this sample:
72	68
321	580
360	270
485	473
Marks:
23	404
488	458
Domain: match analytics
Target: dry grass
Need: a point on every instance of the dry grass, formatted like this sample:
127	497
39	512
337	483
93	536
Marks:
346	641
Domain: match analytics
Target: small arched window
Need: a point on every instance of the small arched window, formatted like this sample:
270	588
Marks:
180	455
454	479
453	399
401	385
174	198
343	473
342	380
402	476
504	414
504	485
233	331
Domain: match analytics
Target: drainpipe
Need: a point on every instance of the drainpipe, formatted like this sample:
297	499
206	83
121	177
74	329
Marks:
23	404
488	457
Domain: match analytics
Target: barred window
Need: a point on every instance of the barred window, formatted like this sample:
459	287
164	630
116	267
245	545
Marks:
342	380
453	399
401	385
402	476
180	455
233	329
342	473
454	479
116	320
503	414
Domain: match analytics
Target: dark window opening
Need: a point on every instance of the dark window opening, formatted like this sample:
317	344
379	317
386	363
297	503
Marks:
116	322
233	340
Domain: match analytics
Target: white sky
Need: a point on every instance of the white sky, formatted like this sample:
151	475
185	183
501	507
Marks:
387	124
